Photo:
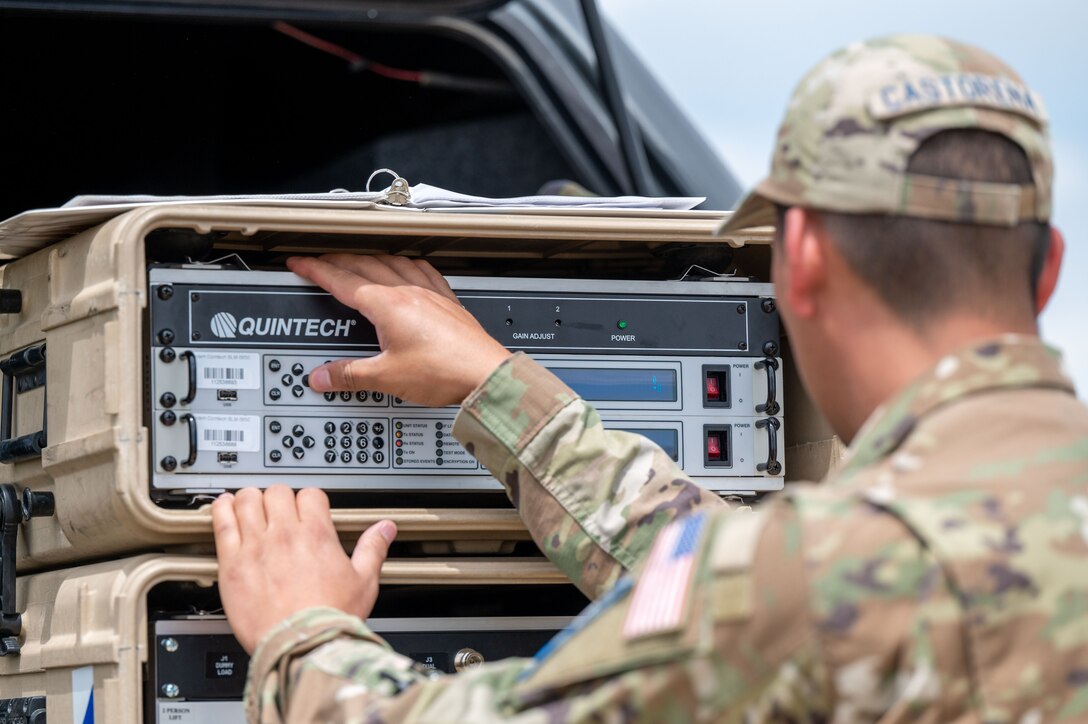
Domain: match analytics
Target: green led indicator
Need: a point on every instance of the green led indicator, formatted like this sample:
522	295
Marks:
622	324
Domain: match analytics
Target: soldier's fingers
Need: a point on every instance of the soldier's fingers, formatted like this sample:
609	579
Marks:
343	284
348	374
437	282
279	506
225	526
249	508
406	270
372	548
313	509
374	269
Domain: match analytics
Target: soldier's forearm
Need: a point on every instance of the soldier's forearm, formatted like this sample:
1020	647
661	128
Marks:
593	499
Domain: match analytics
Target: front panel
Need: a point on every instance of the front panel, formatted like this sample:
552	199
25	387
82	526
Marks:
691	365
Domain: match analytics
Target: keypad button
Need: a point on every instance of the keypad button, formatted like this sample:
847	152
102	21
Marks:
379	428
438	453
275	393
362	396
330	442
287	380
438	426
438	435
298	430
345	456
297	368
299	453
298	390
275	456
288	441
439	444
379	443
399	461
362	443
362	456
330	427
274	427
345	441
274	365
379	457
345	428
438	461
345	396
330	456
378	396
362	428
309	442
329	396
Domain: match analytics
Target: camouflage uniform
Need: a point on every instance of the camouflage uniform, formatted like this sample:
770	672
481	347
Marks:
928	581
940	575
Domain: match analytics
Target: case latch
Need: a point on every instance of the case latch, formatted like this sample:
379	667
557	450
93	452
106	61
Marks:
23	371
13	511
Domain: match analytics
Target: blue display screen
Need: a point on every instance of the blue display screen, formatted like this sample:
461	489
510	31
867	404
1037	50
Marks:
619	385
667	440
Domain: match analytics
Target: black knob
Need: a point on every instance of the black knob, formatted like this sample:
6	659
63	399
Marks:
274	427
169	463
298	391
274	365
168	399
37	505
275	456
297	368
274	393
308	442
298	453
298	430
330	456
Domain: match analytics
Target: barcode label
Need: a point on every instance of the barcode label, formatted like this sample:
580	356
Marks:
228	370
236	433
225	435
224	373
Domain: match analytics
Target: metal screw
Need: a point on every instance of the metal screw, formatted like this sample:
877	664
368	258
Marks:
195	297
196	335
168	418
168	355
770	349
168	399
166	292
169	463
768	305
170	645
171	691
742	346
741	309
166	336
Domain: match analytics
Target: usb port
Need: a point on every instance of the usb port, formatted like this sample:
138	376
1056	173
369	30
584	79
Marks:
226	395
228	458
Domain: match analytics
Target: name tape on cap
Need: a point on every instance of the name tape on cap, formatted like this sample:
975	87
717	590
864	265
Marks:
953	90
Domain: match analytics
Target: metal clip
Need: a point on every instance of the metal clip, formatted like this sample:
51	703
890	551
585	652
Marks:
398	193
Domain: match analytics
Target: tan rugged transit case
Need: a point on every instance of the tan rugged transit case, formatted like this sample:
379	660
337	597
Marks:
88	640
85	298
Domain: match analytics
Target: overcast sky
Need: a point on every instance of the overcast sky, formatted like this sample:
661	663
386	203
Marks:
733	65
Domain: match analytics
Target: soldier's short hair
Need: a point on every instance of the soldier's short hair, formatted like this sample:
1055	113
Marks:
923	268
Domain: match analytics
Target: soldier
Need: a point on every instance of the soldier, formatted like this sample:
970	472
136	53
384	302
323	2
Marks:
940	574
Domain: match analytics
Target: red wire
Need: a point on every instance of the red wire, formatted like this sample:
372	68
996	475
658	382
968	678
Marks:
410	76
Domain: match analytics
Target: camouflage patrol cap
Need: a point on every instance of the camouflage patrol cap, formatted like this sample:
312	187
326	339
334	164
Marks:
857	117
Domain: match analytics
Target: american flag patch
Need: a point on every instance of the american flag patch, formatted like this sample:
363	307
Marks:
657	604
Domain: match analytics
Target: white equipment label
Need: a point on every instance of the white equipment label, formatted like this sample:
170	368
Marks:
235	433
233	370
201	712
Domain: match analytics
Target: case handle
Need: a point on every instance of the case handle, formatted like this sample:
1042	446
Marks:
190	421
190	365
12	512
772	466
771	406
23	371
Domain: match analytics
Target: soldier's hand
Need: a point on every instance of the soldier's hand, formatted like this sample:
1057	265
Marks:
434	352
279	554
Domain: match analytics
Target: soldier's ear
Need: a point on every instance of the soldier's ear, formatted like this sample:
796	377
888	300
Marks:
804	263
1052	265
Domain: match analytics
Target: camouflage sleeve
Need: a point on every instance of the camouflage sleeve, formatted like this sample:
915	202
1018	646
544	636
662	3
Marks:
593	499
322	665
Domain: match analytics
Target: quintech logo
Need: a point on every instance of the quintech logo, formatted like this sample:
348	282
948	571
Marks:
226	326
